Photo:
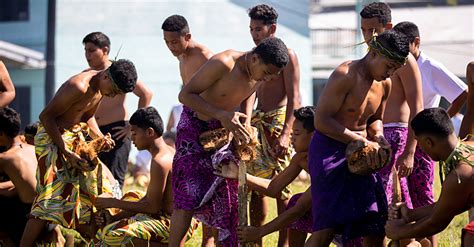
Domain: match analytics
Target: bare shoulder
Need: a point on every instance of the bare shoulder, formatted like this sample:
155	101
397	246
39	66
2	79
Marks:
17	154
202	50
226	58
164	159
300	158
292	54
410	67
78	82
345	72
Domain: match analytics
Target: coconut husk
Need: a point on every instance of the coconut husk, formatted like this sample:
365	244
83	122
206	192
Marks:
214	139
357	154
89	150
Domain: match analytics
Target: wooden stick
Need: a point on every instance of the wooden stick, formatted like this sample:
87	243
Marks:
396	197
243	199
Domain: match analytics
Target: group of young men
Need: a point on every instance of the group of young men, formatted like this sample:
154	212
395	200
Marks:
377	100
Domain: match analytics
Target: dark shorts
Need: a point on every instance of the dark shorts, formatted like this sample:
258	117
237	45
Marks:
116	159
13	217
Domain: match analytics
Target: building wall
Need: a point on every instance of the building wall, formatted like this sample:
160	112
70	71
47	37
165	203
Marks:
30	34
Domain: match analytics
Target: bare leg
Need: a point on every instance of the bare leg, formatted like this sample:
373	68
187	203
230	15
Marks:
374	241
283	233
180	221
468	240
209	236
258	212
321	238
296	238
57	237
33	229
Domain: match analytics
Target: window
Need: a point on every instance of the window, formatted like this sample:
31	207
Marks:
14	10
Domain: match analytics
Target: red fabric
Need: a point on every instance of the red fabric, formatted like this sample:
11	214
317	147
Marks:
469	228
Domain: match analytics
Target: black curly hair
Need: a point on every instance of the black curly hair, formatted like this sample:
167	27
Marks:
263	12
10	122
380	10
148	117
31	128
176	23
395	42
124	74
306	116
273	51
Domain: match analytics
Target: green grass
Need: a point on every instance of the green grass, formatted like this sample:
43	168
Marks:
451	236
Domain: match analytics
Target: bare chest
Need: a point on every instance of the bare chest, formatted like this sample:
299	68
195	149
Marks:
364	100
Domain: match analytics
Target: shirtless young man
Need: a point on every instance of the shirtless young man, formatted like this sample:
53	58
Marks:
298	222
435	134
212	98
150	215
112	115
414	166
191	56
17	176
350	108
7	90
277	99
65	190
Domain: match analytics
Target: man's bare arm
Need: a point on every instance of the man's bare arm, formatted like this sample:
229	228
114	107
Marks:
375	124
302	206
451	203
247	107
144	94
467	125
457	104
151	203
291	78
7	189
209	74
7	90
410	77
66	96
329	103
285	177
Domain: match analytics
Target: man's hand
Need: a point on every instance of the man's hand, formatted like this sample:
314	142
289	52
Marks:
125	131
373	159
109	143
282	145
230	170
380	139
73	158
405	164
231	121
393	228
248	233
398	211
104	201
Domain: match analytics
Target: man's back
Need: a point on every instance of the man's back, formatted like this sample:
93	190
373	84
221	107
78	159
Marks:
19	163
163	161
405	94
